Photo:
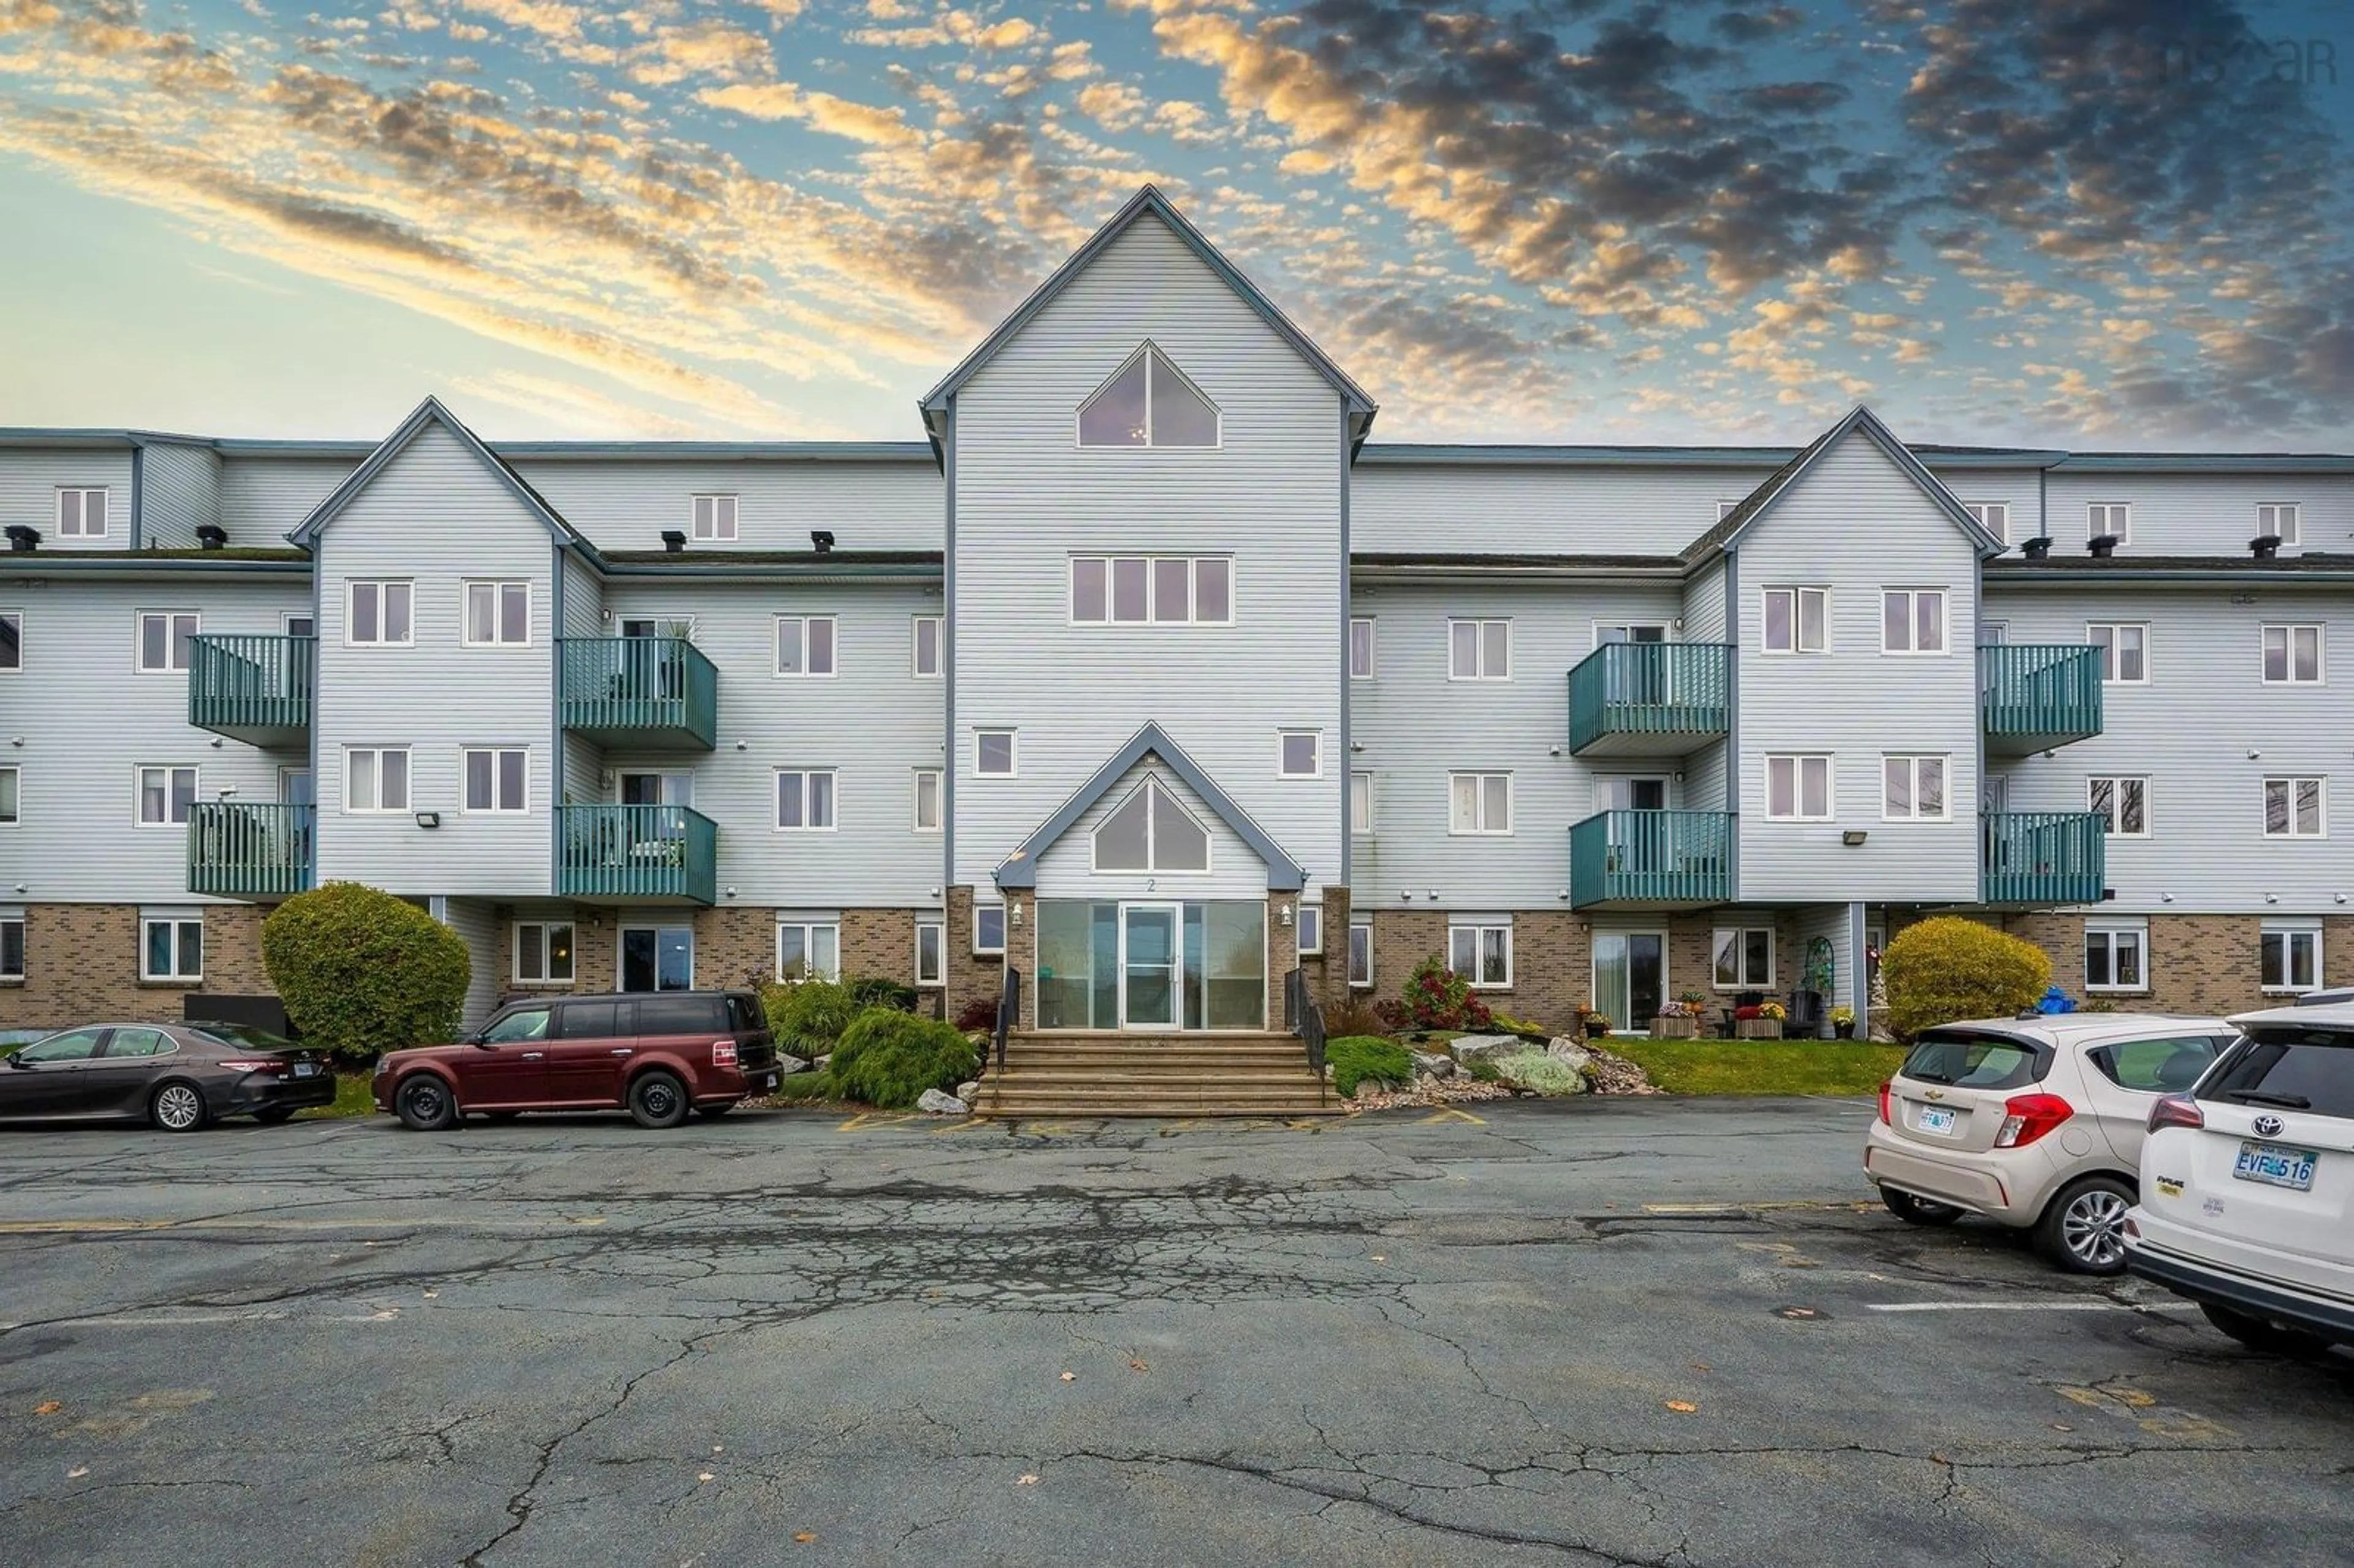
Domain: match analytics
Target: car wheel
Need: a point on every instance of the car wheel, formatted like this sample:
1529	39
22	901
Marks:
658	1100
2258	1335
425	1104
1916	1211
273	1114
2084	1229
177	1106
715	1112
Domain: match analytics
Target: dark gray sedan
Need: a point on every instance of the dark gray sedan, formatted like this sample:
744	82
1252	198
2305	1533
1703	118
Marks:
172	1075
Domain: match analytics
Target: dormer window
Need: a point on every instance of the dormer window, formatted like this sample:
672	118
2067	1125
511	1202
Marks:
1149	403
1151	831
715	519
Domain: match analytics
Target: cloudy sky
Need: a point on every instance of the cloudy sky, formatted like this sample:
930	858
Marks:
2093	222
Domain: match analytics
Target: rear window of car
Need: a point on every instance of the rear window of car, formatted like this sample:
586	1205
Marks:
679	1015
1974	1061
745	1011
2292	1070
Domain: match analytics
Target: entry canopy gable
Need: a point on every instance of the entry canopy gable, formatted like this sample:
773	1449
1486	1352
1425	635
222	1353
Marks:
1151	832
1168	816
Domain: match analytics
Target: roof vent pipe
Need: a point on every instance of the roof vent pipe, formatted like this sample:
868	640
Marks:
822	539
673	540
23	538
2038	549
2264	547
212	535
2102	546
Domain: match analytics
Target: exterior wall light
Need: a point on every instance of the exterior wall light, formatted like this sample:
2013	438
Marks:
1287	914
1852	837
428	818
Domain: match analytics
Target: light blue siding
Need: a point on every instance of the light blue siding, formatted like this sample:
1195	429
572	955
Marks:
179	492
264	496
31	477
628	504
1610	510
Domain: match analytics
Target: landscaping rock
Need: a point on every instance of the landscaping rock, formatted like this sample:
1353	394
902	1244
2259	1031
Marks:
940	1104
970	1092
1472	1047
820	1063
787	1065
1433	1065
1539	1072
1564	1049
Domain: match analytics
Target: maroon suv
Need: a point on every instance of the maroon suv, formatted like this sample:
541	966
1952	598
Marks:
655	1054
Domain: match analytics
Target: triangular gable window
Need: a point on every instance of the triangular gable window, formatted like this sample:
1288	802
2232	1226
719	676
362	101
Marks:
1150	830
1148	403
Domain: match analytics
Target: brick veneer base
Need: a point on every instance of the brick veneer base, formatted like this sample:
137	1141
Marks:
81	964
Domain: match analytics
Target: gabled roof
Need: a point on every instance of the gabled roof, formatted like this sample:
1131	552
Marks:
1021	867
1733	524
1147	200
431	412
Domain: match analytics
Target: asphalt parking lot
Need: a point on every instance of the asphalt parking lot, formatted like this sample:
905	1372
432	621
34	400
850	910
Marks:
1635	1332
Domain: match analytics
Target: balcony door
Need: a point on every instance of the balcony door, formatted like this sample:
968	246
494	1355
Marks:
1630	793
1630	976
657	957
653	670
1642	680
657	789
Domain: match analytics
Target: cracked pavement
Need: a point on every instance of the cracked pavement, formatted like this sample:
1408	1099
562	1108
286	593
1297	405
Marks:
1624	1333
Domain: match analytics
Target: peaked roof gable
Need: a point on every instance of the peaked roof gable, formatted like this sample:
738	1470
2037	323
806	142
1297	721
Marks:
432	412
1149	200
1860	419
1021	868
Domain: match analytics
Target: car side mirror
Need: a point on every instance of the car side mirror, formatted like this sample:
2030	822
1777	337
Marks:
17	1059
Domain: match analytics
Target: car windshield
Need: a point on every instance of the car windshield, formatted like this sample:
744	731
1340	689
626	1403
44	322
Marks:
1973	1061
2293	1069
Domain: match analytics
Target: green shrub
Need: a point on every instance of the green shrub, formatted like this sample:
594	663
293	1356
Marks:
805	1086
807	1016
1540	1074
1356	1057
1482	1070
1950	968
362	972
889	1058
873	991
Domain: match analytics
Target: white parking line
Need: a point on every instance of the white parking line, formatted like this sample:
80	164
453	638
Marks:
2031	1307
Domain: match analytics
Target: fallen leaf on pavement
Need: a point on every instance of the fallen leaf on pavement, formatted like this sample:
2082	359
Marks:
1381	1258
1027	1481
1699	1366
1070	1377
705	1476
47	1407
719	1448
1682	1406
430	1295
804	1536
1137	1366
78	1472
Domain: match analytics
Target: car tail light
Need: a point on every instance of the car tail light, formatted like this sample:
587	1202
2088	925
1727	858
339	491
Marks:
723	1052
2177	1110
2026	1117
266	1065
1888	1102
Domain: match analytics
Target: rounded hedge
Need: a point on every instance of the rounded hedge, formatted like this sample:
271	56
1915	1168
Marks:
362	972
889	1058
1950	968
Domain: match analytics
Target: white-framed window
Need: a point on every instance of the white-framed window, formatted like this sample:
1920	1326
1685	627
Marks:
2124	650
81	512
376	614
1913	620
497	778
11	796
1152	590
2288	955
712	519
1361	648
1482	952
1797	620
928	801
1742	958
1912	790
2282	520
12	946
809	949
1148	402
1478	803
995	754
1479	649
989	930
1361	954
2114	518
12	642
805	800
924	658
2116	957
1312	929
375	779
2294	808
1994	517
163	643
498	615
172	947
1797	788
1299	753
1150	830
2293	655
1725	509
931	950
805	645
165	796
1361	804
543	952
2121	801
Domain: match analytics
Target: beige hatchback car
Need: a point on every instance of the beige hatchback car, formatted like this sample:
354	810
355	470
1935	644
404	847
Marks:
2034	1122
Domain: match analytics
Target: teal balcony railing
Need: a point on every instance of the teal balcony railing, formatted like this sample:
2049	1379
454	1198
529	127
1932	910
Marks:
2039	859
251	686
2034	697
639	690
653	854
1649	699
241	851
1655	859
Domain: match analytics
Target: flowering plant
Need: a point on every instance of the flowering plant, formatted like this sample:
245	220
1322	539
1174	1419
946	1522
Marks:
1842	1015
1438	998
1773	1010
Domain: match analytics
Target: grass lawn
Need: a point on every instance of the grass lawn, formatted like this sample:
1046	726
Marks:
1761	1066
351	1099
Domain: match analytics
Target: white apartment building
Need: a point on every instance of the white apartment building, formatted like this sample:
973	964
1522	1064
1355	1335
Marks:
1146	674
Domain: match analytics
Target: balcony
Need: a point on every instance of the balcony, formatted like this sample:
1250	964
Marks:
1649	699
241	850
2034	698
1651	860
253	687
639	691
637	855
2030	860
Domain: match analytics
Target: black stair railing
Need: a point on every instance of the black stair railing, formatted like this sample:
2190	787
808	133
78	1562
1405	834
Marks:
1305	1019
1009	1012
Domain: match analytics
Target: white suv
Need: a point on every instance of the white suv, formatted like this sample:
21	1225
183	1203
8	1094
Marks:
2247	1188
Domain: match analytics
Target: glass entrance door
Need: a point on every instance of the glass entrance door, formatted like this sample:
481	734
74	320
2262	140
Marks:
1147	966
1630	976
657	957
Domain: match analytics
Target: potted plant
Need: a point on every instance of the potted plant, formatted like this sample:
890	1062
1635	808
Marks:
1596	1025
1843	1023
1763	1022
1674	1022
